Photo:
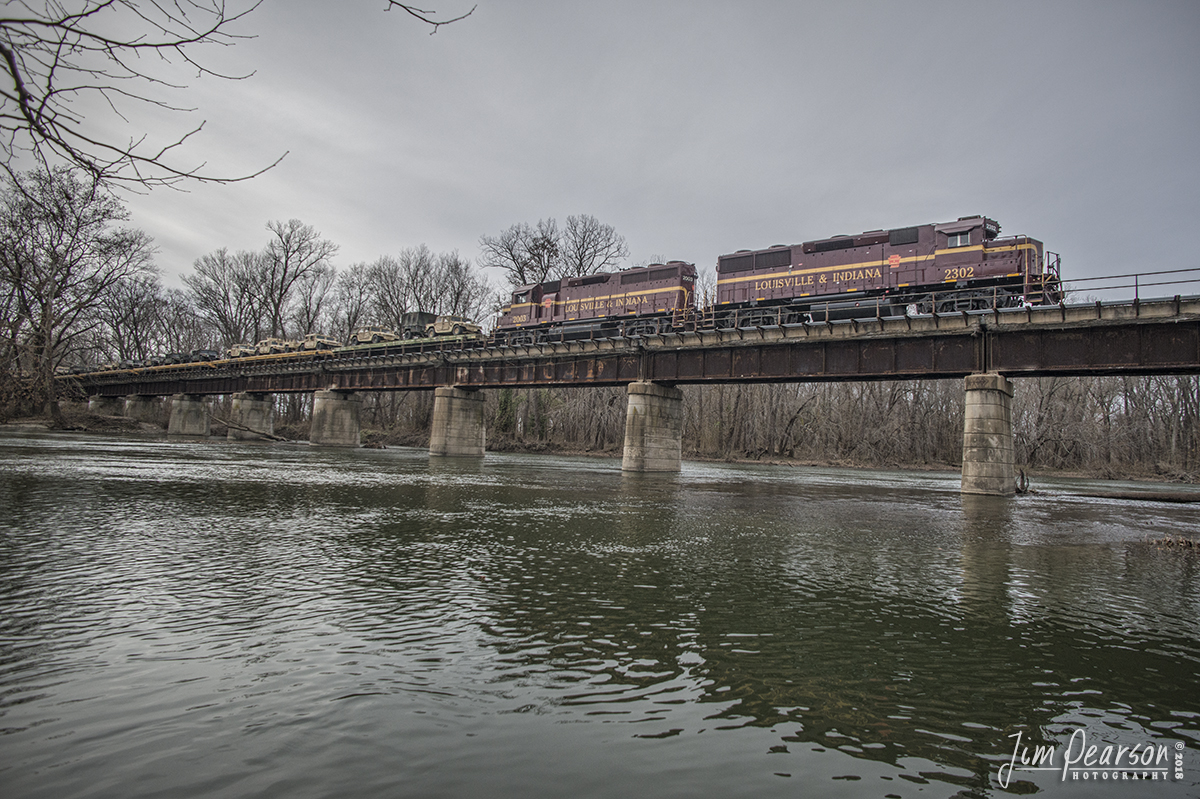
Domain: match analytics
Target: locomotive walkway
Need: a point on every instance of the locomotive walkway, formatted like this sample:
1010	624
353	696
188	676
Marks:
985	348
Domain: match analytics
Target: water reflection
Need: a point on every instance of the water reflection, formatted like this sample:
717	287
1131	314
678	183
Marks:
428	620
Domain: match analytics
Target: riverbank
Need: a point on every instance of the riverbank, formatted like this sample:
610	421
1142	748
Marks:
75	419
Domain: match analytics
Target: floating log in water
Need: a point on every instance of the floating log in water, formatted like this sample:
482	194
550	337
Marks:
1145	496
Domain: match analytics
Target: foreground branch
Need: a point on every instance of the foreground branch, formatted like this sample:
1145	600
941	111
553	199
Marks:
424	15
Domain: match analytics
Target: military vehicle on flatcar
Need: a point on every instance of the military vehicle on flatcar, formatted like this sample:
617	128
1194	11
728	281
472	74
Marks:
451	325
316	341
414	323
274	346
373	335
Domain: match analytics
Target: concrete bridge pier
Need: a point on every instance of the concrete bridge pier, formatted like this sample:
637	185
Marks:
653	428
251	416
106	406
458	427
189	416
988	464
143	408
335	419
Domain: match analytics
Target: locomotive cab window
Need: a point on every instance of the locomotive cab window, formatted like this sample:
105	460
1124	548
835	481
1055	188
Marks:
958	239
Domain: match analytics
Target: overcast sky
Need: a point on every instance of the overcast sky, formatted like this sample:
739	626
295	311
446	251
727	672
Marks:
700	128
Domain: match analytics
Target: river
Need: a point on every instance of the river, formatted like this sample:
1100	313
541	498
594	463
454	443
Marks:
213	619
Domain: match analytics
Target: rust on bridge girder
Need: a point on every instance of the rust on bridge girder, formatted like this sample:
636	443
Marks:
1134	338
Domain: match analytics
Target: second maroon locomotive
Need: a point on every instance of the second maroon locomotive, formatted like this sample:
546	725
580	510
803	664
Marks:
646	299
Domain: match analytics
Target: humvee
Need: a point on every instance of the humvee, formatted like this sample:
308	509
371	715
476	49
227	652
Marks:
451	326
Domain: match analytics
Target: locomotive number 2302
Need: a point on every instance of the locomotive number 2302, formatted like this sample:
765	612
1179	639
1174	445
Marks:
960	273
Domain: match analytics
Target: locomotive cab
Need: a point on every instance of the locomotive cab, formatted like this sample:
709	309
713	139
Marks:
1007	271
524	308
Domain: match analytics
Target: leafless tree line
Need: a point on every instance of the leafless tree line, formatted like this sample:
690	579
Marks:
287	289
291	287
79	287
1107	426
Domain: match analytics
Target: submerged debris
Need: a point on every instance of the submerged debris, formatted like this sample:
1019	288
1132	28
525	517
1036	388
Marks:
1176	542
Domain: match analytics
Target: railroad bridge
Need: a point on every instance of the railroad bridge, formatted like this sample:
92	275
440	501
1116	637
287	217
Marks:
985	349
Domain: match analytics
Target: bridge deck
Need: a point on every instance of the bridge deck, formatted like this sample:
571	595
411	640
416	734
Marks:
1148	337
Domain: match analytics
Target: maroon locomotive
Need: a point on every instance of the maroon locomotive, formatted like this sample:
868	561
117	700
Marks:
955	266
638	301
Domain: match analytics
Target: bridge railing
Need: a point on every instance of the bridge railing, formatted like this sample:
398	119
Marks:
1137	286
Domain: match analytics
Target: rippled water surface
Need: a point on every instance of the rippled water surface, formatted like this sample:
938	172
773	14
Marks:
214	620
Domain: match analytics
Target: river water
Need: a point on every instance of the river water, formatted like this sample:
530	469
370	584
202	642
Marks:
217	619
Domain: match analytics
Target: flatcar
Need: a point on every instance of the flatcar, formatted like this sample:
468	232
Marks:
954	266
638	301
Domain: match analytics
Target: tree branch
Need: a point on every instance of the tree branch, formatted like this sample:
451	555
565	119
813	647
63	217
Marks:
423	14
54	58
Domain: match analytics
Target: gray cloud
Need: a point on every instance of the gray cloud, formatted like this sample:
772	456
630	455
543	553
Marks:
698	128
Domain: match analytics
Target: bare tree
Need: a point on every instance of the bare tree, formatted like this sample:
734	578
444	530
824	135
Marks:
351	301
536	254
295	251
141	318
510	252
182	328
465	293
544	251
311	306
225	292
61	253
132	313
421	282
588	246
385	277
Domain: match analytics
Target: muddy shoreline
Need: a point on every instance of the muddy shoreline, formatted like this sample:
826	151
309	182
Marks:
86	422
